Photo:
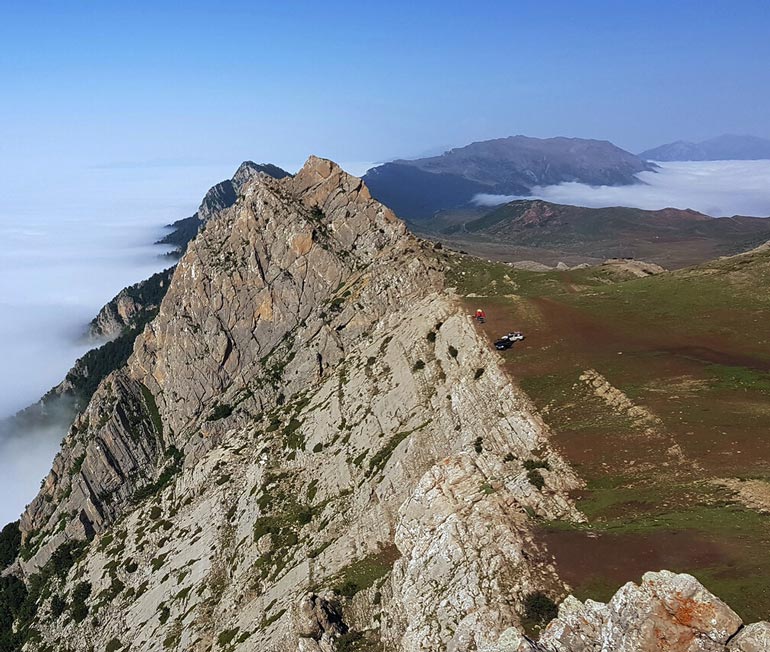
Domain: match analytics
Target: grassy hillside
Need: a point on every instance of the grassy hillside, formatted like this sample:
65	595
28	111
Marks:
670	237
658	392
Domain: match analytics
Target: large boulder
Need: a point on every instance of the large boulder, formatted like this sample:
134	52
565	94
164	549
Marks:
667	611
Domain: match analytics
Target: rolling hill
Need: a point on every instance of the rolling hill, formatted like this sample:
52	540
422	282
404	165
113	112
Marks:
670	237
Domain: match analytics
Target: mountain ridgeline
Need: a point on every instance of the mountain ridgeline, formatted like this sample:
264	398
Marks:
721	148
221	196
416	189
311	447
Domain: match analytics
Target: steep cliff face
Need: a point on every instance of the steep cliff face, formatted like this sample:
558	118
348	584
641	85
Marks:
310	444
132	307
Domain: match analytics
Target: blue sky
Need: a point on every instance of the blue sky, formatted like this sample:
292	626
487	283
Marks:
118	83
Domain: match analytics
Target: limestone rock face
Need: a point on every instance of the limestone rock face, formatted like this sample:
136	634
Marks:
131	307
310	446
665	612
752	638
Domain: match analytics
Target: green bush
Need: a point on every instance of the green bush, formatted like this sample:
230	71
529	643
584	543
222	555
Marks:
536	479
539	608
220	412
58	606
10	542
113	645
226	637
78	608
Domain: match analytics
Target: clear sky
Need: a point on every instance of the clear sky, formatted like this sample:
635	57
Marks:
153	83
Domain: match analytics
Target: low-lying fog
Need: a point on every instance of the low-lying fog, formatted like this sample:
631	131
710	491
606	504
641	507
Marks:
717	188
69	241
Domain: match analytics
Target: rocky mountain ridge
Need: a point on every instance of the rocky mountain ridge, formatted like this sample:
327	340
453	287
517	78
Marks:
418	188
220	196
311	448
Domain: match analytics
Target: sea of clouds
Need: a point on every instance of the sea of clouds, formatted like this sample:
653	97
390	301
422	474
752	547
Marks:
717	188
69	241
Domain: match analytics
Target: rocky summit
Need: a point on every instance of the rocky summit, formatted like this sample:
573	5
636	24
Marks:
312	448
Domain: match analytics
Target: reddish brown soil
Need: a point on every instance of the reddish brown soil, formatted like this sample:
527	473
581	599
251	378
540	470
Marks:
602	563
722	432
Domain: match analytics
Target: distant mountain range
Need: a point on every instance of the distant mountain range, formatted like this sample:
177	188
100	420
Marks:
721	148
416	189
548	232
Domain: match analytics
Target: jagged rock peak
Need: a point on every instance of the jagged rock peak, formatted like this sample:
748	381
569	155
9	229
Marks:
310	441
271	265
248	170
667	611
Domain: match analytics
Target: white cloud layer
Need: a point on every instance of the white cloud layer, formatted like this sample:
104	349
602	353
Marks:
69	241
718	188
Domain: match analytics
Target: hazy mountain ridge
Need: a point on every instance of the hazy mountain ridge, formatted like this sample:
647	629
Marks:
417	188
721	148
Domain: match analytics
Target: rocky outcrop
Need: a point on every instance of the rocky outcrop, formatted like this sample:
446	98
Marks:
132	307
219	197
665	612
309	420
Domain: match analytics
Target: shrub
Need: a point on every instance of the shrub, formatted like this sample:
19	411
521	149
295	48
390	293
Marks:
479	373
419	365
530	465
539	608
220	412
431	336
113	645
78	608
226	637
477	444
10	542
535	478
453	351
352	642
58	606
